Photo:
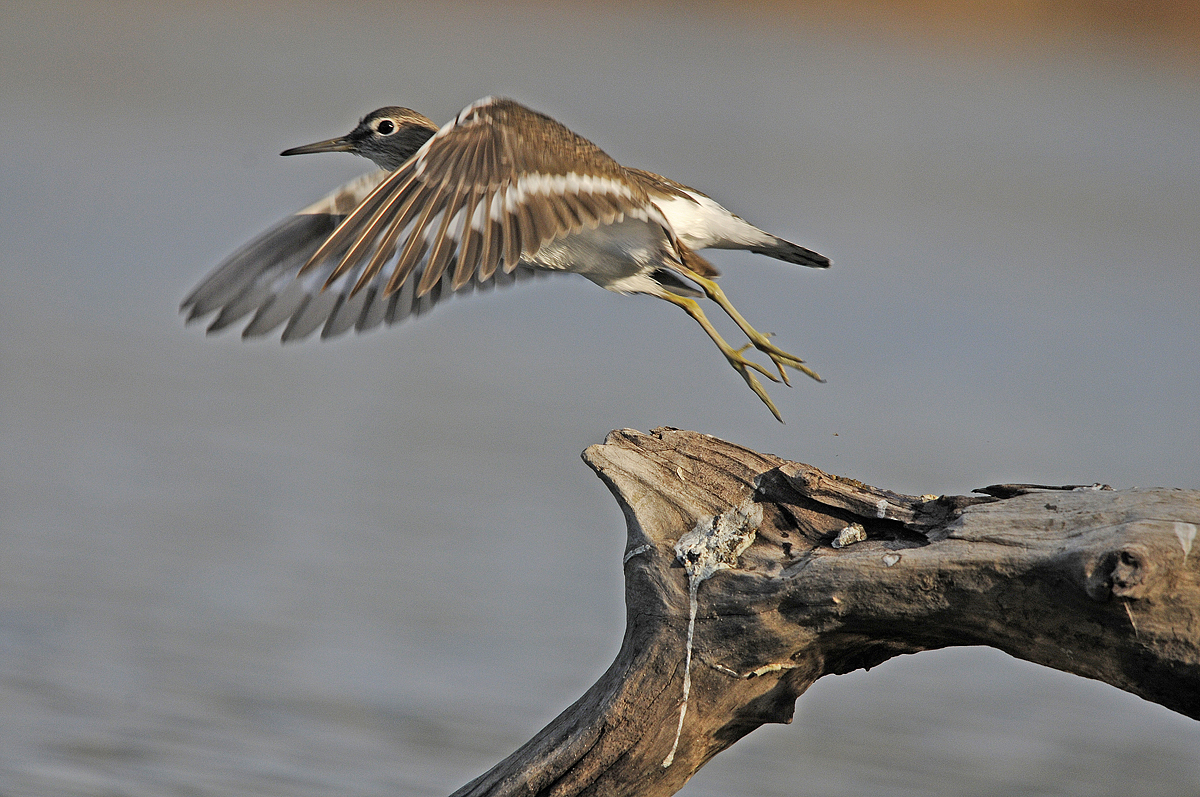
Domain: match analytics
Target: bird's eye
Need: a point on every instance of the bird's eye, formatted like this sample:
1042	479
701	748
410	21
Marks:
386	127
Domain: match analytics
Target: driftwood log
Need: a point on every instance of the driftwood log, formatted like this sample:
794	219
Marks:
749	577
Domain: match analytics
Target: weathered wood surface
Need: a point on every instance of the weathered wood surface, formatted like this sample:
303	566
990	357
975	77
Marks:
824	574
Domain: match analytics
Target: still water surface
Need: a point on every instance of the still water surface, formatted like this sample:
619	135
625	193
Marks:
377	566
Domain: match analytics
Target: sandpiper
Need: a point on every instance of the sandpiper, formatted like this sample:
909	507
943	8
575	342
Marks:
501	192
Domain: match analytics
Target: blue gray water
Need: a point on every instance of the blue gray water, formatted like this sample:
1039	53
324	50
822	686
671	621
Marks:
377	565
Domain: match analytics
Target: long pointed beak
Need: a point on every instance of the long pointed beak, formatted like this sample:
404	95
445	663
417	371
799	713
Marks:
340	144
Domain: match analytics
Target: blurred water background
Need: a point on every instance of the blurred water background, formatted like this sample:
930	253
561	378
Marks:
377	565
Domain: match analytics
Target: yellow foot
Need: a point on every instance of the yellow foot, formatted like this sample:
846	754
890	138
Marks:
781	358
735	357
761	392
760	341
744	367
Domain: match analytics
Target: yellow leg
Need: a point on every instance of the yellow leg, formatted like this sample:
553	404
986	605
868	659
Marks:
734	356
760	341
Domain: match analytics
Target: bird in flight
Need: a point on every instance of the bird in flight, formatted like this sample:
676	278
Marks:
499	194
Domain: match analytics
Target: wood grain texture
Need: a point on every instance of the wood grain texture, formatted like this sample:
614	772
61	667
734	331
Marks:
1092	581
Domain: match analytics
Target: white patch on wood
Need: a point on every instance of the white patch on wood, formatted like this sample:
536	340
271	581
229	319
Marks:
766	668
638	550
881	508
1132	622
1186	532
850	535
891	559
713	545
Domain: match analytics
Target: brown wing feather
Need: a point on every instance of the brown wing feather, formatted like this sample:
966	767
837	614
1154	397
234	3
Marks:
444	244
348	225
415	246
468	251
489	250
526	223
370	230
656	184
510	236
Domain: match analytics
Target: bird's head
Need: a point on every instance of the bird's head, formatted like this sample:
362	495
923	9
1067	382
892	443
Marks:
388	136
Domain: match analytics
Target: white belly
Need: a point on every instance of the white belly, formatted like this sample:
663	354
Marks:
619	257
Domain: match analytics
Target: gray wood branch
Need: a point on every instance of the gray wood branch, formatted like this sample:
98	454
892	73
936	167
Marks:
809	574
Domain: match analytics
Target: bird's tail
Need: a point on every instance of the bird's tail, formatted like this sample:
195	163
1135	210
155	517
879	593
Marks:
791	253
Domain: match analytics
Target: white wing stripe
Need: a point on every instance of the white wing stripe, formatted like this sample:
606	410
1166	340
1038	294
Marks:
535	183
496	211
477	218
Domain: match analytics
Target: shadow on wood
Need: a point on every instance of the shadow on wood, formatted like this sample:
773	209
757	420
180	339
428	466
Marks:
749	577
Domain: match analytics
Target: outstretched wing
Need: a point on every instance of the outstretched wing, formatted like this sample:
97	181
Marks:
480	197
469	210
261	279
